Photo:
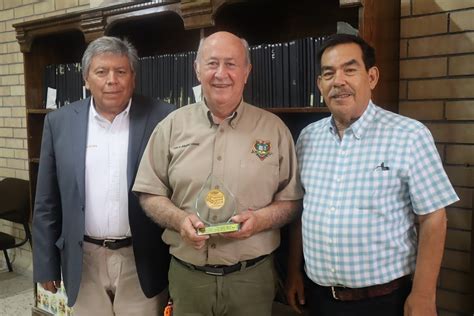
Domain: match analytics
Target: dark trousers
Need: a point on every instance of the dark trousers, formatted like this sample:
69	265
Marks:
321	303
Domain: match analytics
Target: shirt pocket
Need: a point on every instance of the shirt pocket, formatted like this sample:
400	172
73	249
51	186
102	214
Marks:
379	188
258	182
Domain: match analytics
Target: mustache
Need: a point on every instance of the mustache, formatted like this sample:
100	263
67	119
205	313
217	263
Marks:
339	91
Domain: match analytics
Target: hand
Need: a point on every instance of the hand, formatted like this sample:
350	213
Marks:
295	291
51	286
189	234
248	225
420	305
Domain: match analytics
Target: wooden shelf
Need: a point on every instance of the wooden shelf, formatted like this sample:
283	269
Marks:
39	111
308	109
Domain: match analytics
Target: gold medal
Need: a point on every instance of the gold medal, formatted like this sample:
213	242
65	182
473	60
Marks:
215	199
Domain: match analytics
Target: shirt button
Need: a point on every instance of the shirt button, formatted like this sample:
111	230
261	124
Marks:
343	152
219	158
213	246
333	208
333	270
214	217
338	179
216	187
221	130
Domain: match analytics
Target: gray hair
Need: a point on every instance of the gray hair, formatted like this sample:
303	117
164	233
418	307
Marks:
112	45
244	43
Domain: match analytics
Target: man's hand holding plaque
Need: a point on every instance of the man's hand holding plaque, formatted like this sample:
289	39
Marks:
215	205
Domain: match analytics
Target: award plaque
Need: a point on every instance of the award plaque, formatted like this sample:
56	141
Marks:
214	206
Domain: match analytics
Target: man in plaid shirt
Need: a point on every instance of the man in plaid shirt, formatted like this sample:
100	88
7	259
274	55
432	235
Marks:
368	174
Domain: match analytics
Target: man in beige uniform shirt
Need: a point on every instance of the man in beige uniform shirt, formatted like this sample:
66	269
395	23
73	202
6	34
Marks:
252	152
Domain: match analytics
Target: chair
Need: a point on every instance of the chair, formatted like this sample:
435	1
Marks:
14	207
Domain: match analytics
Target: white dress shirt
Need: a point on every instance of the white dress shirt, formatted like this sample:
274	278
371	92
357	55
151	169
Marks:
106	209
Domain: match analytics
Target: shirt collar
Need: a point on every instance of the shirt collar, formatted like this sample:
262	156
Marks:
232	119
96	115
359	127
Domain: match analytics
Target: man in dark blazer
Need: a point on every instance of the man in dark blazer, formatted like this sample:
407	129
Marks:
88	227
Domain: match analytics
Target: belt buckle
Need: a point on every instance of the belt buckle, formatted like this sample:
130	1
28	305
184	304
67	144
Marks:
109	243
214	271
333	292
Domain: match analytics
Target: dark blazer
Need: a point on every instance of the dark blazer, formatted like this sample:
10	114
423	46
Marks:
58	219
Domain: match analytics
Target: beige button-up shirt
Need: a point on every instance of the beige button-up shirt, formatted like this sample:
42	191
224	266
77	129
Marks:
251	152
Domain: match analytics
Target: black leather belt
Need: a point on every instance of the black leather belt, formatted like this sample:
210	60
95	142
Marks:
356	294
221	270
112	244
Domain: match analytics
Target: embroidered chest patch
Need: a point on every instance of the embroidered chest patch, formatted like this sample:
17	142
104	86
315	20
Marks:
262	149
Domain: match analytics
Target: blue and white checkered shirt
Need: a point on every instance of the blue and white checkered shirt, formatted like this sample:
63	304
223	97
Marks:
362	194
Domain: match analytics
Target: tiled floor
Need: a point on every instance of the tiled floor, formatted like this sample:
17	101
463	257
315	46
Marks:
16	294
